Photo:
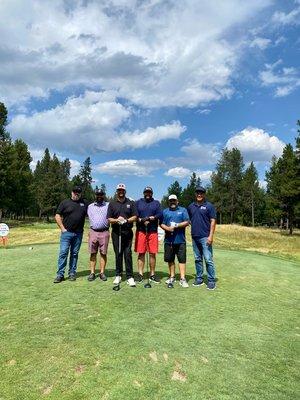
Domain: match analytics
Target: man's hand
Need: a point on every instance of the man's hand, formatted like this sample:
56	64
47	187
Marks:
121	220
209	240
151	218
63	230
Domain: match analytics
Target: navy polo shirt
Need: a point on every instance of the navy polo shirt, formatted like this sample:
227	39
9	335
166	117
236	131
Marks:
177	215
200	216
147	209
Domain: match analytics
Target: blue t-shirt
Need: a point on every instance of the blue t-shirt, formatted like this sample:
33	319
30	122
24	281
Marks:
179	214
200	216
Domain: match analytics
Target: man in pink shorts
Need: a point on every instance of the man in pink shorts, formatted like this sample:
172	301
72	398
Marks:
98	234
146	239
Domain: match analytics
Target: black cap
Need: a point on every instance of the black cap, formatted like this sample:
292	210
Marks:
77	189
99	192
200	189
148	189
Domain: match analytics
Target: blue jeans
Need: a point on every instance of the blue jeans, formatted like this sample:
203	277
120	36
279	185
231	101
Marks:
69	241
202	249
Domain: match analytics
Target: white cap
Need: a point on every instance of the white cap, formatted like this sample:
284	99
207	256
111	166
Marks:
121	186
172	197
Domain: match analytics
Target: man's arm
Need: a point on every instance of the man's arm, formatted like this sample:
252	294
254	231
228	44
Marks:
210	238
167	228
59	222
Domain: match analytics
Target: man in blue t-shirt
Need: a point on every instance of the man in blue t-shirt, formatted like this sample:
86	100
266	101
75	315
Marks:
203	221
175	220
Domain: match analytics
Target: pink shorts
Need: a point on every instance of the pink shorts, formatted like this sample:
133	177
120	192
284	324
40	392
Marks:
98	240
144	243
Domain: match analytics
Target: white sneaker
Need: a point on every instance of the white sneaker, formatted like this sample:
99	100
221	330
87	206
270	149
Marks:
183	283
117	280
131	282
170	280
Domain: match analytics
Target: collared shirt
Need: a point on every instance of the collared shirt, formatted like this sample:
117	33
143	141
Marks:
97	213
125	209
147	209
200	215
179	214
73	213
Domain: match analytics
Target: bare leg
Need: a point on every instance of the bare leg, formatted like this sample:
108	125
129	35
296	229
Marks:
182	270
172	269
141	263
103	260
152	261
93	258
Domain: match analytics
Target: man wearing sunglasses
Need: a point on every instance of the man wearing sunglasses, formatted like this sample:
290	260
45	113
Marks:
203	221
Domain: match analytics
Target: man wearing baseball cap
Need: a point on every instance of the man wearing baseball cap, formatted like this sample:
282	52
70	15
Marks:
70	217
146	238
121	214
203	221
98	234
175	220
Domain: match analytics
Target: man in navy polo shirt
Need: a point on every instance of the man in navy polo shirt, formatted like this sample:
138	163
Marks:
203	221
175	220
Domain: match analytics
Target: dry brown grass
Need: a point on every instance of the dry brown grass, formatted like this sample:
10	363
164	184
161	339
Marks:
233	237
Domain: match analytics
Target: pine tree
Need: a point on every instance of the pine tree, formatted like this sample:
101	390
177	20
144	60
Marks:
188	194
174	188
7	159
84	179
251	196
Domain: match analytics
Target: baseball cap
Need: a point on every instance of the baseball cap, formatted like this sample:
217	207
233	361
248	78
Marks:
77	189
148	189
99	191
121	186
172	197
200	189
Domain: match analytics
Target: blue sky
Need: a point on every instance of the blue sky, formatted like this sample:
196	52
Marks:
151	90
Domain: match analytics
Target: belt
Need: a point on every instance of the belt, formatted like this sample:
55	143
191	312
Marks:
100	230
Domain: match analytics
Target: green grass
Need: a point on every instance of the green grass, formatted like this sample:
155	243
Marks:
81	340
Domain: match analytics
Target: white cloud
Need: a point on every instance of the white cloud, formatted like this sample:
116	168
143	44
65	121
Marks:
256	145
261	43
291	18
205	111
204	175
154	53
88	124
284	80
178	172
201	153
138	168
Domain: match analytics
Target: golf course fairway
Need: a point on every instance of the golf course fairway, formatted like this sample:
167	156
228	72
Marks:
82	340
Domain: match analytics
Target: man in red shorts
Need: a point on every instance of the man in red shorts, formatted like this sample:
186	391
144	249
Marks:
149	213
98	234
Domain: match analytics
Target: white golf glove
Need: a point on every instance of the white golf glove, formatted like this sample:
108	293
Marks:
173	224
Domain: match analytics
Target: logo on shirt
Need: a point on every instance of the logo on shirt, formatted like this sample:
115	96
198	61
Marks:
203	208
82	204
128	206
179	212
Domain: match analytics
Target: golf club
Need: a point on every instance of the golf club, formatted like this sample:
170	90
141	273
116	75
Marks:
117	287
147	285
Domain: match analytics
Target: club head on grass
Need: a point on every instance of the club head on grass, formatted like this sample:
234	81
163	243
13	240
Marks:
116	288
147	285
170	286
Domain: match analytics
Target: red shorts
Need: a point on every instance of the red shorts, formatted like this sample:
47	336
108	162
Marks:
145	243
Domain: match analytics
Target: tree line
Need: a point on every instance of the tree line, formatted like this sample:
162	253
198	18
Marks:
234	189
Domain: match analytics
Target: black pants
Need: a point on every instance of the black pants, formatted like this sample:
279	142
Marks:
123	251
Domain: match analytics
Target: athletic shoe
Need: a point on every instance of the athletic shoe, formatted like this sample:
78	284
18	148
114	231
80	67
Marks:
211	286
183	283
72	277
103	277
154	278
117	280
59	279
91	277
131	282
139	278
198	282
171	279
